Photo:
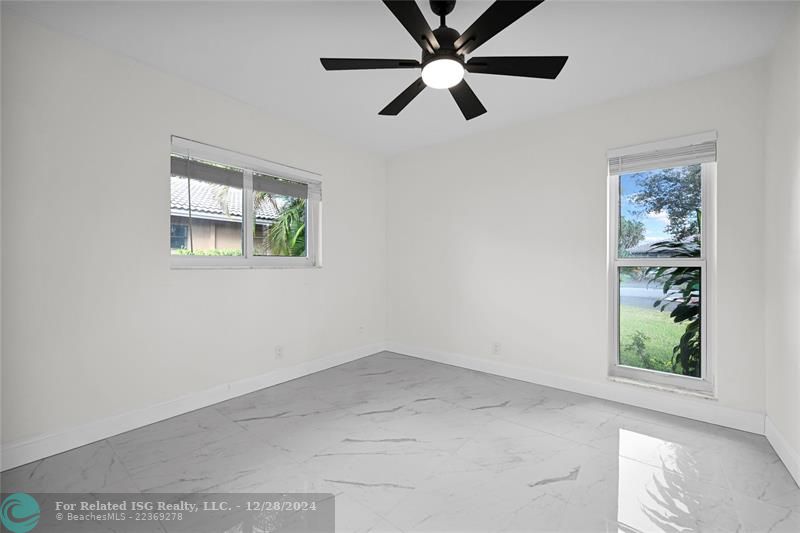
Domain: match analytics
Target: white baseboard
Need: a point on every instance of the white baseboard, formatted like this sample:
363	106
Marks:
25	451
703	409
789	456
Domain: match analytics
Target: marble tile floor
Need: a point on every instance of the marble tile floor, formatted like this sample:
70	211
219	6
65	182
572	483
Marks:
410	445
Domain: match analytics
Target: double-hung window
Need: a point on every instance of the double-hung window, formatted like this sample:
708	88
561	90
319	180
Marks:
660	248
232	210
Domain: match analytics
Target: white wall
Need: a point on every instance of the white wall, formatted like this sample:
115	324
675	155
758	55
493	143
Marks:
782	239
501	238
1	222
516	256
93	330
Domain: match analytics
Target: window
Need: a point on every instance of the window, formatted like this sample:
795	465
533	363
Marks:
232	210
660	248
178	236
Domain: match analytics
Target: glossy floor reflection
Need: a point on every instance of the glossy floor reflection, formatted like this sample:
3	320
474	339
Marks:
410	445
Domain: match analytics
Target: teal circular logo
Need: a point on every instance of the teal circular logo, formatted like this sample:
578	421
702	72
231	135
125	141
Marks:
19	512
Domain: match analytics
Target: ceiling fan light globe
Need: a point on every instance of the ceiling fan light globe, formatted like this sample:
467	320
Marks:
442	73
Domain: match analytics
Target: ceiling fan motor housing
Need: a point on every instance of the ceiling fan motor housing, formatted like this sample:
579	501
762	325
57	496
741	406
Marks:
447	38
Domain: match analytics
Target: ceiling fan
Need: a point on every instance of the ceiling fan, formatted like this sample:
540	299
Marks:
444	52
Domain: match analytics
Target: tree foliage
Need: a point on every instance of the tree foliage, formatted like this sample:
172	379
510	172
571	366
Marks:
631	233
676	192
287	235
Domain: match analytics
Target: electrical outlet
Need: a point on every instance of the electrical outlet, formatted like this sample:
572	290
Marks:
278	352
496	348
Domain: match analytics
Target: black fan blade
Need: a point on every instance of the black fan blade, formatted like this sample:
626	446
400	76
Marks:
467	102
547	67
412	19
362	64
498	17
404	98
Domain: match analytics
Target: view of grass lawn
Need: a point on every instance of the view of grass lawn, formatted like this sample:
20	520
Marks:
657	336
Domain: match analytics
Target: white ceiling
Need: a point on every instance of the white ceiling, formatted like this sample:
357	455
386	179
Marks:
266	54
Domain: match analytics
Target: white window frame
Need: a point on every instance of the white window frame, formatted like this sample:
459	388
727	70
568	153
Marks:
705	384
250	165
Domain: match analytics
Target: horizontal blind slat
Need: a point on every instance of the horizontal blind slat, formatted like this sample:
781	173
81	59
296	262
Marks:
197	170
279	186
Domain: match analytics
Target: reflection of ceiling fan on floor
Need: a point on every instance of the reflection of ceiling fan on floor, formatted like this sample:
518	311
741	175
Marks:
444	52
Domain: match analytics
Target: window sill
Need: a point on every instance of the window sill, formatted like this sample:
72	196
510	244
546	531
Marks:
241	263
244	267
705	395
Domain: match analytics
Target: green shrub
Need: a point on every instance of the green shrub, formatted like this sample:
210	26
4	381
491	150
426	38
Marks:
681	287
220	252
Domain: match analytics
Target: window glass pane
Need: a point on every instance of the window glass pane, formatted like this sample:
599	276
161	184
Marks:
206	217
280	217
659	319
280	225
660	213
178	235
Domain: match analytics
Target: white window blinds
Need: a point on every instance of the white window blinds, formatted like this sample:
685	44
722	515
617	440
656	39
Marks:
279	186
682	151
199	170
195	160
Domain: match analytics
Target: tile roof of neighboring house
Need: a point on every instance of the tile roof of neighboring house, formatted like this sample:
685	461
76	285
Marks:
211	198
